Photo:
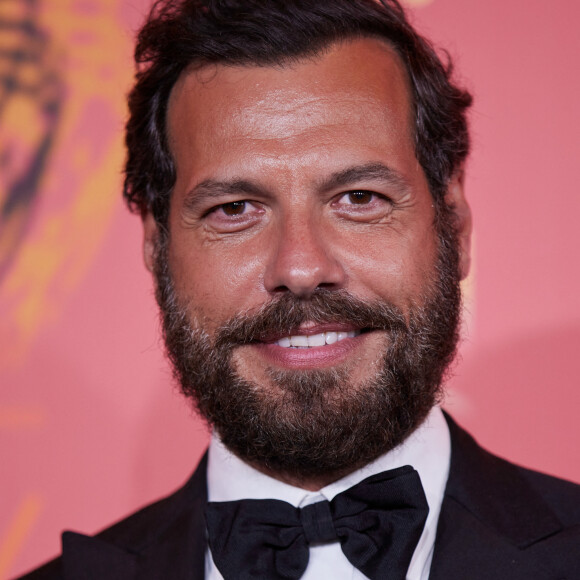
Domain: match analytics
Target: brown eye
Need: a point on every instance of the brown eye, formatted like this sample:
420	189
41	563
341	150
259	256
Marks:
360	197
234	208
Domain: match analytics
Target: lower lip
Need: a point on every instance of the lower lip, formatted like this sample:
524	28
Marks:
313	357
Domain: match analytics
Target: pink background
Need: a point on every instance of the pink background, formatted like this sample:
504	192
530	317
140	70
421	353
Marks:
91	426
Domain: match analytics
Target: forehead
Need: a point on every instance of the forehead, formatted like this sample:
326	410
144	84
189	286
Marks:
360	83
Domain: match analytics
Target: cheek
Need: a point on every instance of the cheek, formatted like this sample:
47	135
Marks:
395	270
216	284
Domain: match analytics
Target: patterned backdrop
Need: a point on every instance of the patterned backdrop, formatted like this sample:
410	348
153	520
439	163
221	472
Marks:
91	426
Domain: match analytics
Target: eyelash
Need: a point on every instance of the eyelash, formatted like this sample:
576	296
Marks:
234	204
243	203
222	206
364	192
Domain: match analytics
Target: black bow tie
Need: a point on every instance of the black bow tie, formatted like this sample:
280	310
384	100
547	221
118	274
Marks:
378	523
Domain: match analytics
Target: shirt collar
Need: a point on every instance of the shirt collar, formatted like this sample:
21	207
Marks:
427	449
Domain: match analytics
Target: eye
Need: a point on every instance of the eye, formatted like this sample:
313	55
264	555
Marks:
233	216
363	205
233	208
359	197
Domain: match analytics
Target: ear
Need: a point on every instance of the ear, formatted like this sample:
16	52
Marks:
150	233
455	198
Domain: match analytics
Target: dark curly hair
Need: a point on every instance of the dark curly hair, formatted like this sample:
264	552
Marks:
180	33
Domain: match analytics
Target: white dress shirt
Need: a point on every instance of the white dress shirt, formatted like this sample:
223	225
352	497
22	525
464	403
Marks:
428	450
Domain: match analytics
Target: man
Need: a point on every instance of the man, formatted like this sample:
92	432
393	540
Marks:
298	166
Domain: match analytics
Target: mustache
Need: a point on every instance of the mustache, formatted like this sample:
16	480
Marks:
285	314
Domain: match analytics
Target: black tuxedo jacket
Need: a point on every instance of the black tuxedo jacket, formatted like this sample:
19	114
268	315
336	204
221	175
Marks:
498	522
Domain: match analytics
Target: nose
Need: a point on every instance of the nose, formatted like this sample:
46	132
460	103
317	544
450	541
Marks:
303	259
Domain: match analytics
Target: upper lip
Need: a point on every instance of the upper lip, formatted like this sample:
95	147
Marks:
310	329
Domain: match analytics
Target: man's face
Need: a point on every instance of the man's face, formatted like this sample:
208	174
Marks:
292	182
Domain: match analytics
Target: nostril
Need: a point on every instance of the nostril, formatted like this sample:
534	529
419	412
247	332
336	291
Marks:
304	291
327	285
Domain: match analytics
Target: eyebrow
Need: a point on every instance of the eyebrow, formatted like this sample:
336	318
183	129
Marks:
375	171
211	188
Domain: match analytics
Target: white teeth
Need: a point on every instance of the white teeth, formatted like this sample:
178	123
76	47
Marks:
299	340
317	340
331	337
302	341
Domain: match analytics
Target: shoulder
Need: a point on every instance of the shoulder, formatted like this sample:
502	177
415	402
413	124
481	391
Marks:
154	521
476	472
561	495
49	571
173	520
500	520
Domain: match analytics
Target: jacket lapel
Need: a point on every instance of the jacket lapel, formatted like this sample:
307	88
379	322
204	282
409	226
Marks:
491	518
165	540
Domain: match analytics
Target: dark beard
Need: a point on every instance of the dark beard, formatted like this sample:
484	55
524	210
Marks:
317	423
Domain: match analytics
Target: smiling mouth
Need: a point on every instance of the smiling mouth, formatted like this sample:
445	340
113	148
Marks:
312	345
315	340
